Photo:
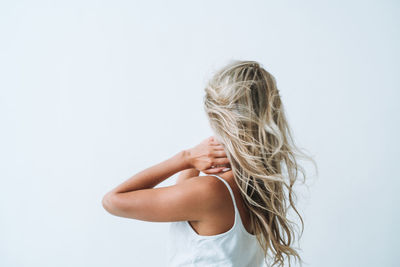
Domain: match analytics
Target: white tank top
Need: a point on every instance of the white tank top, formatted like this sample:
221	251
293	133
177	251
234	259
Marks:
233	248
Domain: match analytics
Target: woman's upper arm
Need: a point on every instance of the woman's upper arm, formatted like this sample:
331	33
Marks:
187	174
191	199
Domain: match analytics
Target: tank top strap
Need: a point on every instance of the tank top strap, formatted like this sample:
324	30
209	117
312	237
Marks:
230	191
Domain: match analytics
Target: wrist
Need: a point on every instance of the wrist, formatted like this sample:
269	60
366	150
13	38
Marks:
185	154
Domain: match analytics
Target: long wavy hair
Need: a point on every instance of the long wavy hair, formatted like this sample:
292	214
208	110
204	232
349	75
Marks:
246	114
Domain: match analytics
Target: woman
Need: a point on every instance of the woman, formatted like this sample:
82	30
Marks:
235	214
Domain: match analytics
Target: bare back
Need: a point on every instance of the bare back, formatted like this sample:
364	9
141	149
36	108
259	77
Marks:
221	221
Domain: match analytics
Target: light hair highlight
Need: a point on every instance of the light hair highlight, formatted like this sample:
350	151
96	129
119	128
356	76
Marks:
245	111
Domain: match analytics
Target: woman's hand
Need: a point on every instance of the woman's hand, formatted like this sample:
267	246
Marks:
208	157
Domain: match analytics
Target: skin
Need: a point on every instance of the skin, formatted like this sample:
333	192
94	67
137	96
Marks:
193	198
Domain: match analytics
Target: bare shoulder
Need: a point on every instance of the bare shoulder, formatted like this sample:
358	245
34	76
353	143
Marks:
209	182
214	190
207	185
205	195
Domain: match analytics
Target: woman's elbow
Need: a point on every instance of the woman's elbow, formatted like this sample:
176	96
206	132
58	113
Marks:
117	204
108	203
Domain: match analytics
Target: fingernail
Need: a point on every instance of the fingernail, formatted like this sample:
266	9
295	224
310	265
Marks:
226	169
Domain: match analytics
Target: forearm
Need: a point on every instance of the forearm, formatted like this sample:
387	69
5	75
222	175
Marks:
154	175
186	174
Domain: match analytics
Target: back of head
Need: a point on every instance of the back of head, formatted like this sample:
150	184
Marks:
245	111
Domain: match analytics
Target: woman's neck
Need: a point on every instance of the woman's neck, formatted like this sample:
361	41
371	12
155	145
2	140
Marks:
226	175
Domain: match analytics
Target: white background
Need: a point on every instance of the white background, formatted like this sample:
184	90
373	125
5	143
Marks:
93	92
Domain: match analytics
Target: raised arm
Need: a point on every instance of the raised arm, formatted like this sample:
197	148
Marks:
189	199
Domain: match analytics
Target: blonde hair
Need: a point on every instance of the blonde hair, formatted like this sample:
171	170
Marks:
245	112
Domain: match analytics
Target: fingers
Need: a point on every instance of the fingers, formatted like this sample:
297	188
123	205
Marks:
215	143
220	161
219	154
214	170
218	147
